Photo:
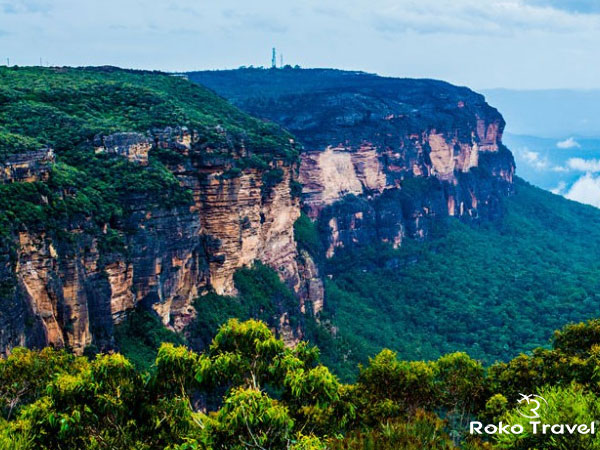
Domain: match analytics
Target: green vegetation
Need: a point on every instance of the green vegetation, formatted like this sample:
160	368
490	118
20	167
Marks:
274	397
261	295
493	290
66	108
307	235
140	336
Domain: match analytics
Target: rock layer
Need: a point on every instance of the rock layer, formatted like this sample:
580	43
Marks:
383	160
74	294
27	167
411	150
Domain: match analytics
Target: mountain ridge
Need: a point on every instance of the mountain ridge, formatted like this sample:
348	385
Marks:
84	248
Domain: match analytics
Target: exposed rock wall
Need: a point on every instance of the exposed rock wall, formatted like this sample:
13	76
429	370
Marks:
73	294
328	175
456	190
253	226
27	167
379	139
133	146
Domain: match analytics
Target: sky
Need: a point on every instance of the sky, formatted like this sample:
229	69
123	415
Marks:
483	44
517	44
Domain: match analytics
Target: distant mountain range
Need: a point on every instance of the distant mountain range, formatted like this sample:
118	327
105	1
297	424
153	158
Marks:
555	138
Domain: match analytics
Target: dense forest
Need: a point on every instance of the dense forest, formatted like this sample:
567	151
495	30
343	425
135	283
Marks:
248	390
413	343
493	289
66	108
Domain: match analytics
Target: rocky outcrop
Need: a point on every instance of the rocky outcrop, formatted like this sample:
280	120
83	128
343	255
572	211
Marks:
411	151
326	176
312	292
27	167
133	146
74	292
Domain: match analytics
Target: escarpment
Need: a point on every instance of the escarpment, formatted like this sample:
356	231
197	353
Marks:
383	157
76	293
157	206
250	216
138	217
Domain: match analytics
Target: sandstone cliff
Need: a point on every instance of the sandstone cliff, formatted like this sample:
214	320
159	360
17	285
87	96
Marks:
410	150
382	160
151	192
75	295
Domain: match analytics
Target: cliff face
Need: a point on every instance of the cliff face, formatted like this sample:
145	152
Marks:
382	160
149	191
410	150
72	294
248	221
27	167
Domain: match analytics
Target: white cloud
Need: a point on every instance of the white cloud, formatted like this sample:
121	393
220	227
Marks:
499	17
538	162
584	165
586	190
534	159
568	143
560	188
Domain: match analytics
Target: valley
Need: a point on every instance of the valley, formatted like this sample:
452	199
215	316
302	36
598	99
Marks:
332	258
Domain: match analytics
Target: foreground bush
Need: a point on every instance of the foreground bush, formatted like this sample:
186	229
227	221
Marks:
249	391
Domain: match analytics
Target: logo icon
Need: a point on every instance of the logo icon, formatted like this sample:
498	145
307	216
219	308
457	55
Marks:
532	399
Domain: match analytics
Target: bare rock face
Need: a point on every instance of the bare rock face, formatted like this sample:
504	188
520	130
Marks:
36	264
255	226
367	171
312	292
73	294
410	150
27	167
328	175
133	146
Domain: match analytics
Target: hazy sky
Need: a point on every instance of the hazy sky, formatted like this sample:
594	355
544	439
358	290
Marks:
479	43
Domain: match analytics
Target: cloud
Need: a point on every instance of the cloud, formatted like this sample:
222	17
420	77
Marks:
584	165
578	6
538	162
533	159
560	188
568	143
470	17
586	190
